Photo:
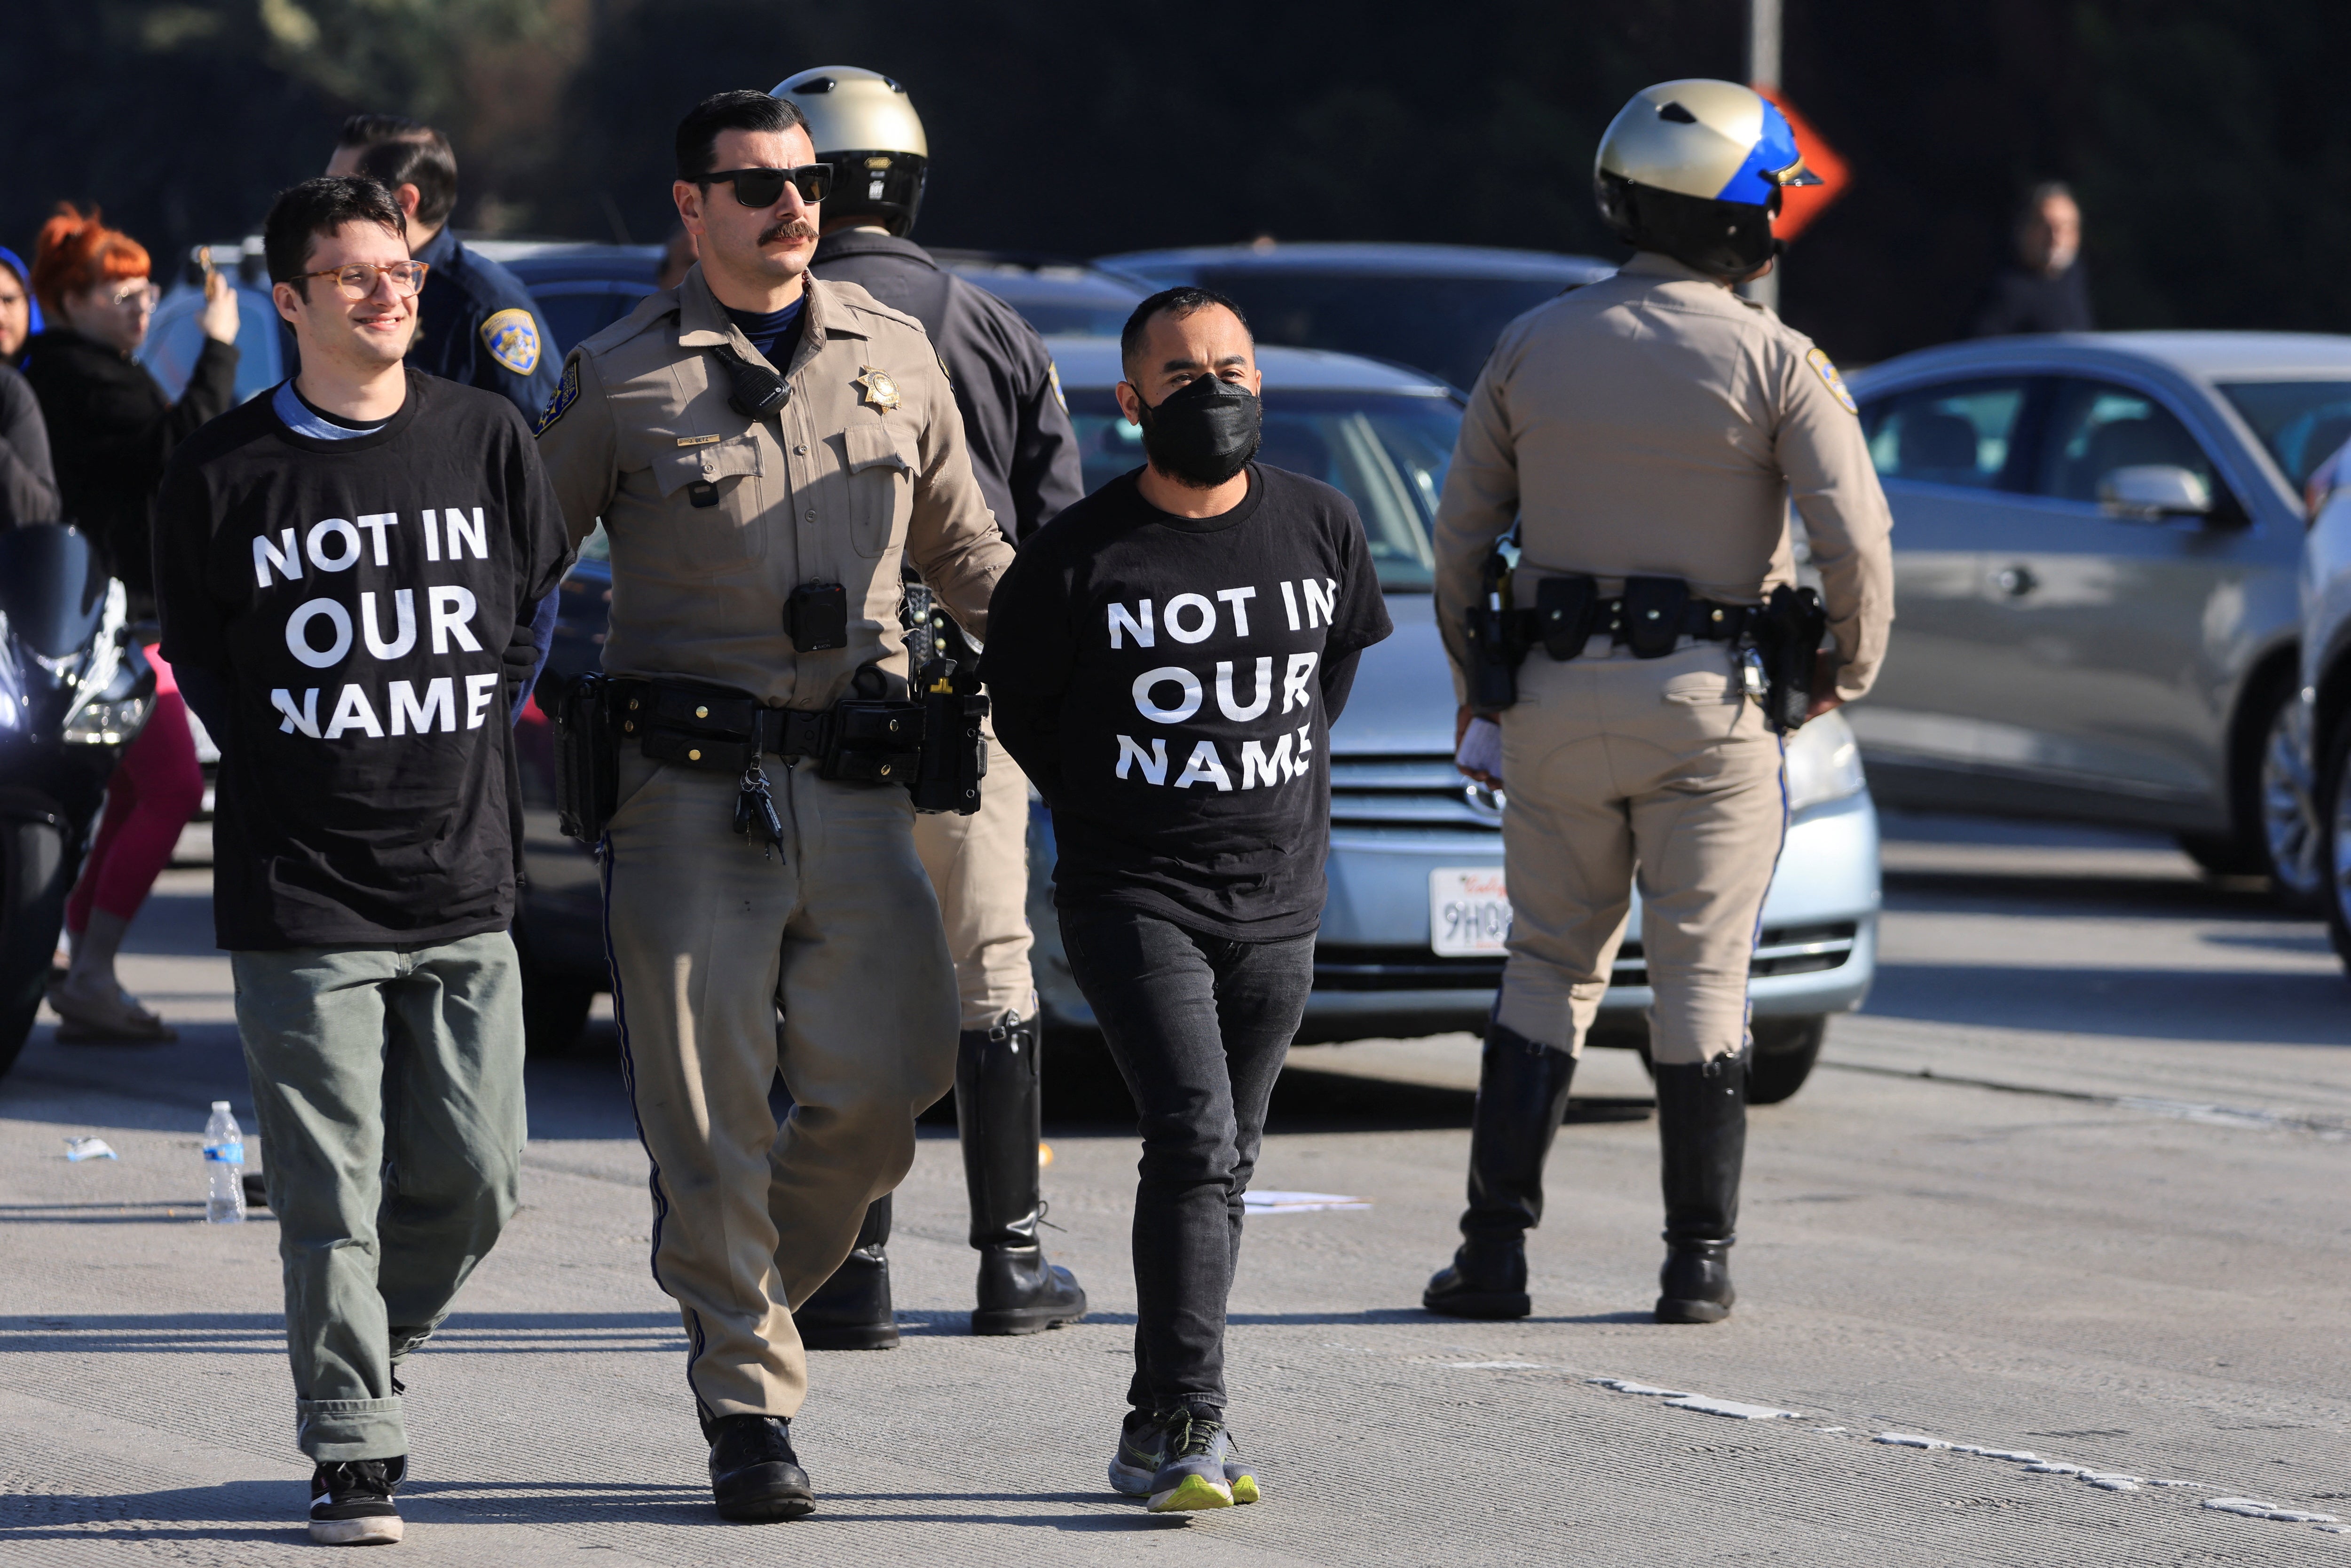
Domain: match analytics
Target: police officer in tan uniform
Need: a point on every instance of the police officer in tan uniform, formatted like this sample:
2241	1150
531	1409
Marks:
1025	457
1646	432
764	450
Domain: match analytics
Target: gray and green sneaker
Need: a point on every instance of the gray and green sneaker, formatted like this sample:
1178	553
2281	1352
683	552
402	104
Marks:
1143	1449
1191	1475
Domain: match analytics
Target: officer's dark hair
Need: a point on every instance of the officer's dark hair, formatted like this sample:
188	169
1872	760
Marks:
316	208
743	110
395	152
1179	301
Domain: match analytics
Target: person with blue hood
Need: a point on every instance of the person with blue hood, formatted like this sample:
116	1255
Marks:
28	482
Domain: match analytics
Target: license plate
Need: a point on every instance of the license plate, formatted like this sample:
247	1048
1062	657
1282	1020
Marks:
1468	911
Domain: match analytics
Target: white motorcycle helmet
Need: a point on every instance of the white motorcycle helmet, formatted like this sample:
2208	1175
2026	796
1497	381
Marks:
863	124
1694	169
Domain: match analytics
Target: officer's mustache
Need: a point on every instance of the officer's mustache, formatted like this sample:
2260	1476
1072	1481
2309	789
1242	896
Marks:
787	228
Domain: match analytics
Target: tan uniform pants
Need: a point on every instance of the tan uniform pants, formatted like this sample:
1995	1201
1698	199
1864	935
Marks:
1617	767
708	937
979	867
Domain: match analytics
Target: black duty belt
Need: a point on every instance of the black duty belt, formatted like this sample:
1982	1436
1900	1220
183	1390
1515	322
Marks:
1650	616
693	724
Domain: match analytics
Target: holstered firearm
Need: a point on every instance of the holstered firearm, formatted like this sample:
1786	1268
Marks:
1496	651
587	759
1787	636
955	752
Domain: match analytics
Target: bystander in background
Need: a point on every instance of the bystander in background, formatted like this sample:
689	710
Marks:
20	317
110	430
2046	289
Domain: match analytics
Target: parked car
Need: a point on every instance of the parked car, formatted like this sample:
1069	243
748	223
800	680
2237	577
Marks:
2327	684
2095	544
1412	933
1437	308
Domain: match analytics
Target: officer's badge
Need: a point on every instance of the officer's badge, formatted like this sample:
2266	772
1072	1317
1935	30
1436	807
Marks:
879	389
1053	379
1835	383
565	396
512	338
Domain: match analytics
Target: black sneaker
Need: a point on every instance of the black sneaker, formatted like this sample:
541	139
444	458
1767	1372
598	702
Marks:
350	1502
755	1476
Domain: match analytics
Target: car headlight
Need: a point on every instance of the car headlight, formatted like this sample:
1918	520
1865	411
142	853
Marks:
105	723
1823	763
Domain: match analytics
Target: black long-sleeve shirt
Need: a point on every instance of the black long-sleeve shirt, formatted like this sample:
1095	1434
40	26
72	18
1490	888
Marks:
2029	301
1169	685
28	481
111	430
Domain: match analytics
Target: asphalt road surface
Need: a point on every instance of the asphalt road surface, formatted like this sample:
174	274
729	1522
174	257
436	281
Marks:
2046	1265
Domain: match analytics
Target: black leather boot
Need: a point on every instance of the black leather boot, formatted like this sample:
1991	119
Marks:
1702	1133
851	1310
1521	1096
1000	1110
755	1476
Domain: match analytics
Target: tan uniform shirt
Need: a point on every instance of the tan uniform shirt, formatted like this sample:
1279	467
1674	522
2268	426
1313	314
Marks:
1655	424
863	466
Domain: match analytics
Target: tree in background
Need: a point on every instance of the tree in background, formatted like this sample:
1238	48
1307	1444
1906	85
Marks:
2208	143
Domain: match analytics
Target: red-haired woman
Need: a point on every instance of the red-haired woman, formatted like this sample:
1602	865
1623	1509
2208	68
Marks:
111	431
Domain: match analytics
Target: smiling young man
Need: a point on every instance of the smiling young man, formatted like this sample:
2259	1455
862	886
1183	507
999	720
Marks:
1166	659
347	571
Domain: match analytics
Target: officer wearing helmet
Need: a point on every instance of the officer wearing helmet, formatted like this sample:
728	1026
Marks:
1644	657
1025	457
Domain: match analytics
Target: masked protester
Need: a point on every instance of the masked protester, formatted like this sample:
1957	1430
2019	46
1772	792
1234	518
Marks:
1167	659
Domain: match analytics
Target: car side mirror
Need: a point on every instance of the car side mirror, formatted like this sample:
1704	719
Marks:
2149	492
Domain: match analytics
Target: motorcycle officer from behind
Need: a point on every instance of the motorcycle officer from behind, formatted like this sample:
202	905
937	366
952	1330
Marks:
764	449
1025	457
1644	659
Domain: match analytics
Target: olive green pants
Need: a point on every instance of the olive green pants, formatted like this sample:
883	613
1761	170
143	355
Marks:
1619	767
710	935
389	1089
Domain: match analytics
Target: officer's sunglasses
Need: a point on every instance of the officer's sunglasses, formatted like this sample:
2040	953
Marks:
357	281
765	187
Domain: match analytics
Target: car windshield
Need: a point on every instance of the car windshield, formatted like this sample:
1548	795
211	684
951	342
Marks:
1386	451
1445	325
2301	422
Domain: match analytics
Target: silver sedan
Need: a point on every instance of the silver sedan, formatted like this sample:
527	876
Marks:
2095	544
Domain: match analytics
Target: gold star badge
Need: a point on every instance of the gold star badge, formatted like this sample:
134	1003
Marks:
879	389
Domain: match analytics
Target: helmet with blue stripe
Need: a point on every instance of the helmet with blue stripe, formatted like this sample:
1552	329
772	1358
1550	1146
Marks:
1694	169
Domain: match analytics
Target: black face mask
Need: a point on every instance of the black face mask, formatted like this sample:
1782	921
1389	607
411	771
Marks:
1203	433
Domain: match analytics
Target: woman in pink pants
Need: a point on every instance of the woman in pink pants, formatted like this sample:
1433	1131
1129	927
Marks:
155	789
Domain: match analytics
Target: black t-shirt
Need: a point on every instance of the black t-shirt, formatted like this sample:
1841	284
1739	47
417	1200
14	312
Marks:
361	603
1169	683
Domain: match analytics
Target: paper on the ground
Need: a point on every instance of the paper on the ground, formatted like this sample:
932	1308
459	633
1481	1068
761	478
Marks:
1297	1202
1481	747
88	1149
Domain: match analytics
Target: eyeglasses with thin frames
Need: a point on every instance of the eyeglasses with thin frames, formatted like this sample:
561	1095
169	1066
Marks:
357	281
140	296
765	187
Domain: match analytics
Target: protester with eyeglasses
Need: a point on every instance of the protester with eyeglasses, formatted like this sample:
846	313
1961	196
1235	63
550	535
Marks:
763	448
20	315
480	325
347	570
111	431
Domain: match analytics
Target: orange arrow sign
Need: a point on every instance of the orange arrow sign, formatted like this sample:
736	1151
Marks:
1800	204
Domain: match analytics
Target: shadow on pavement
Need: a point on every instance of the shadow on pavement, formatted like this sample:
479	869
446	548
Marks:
2209	1007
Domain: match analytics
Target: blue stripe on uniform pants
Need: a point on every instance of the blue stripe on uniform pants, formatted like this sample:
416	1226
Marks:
629	1087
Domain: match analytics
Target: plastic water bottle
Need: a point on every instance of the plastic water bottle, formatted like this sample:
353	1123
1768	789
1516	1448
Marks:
225	1162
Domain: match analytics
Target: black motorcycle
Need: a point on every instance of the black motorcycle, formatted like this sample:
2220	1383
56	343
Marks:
75	688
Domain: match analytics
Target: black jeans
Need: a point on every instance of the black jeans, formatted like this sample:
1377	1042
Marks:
1198	1027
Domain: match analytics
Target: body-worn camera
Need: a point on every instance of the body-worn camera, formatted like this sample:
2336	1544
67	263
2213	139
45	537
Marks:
816	617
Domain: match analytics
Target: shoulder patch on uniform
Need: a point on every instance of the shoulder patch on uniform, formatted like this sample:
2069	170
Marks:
512	338
565	396
1829	377
1053	379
